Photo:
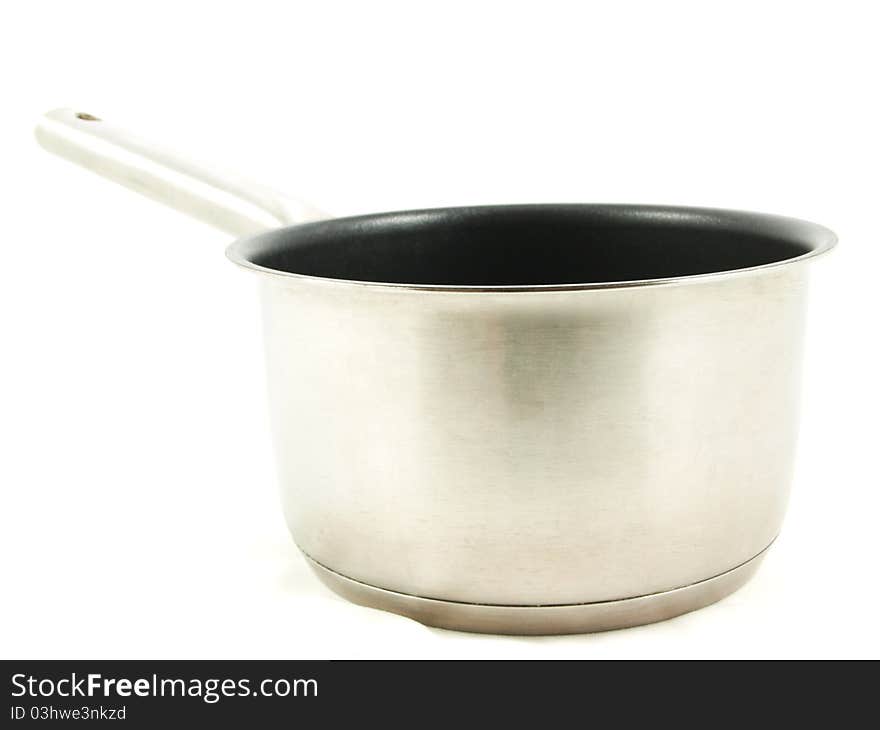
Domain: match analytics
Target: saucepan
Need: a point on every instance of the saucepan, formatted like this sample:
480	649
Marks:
527	419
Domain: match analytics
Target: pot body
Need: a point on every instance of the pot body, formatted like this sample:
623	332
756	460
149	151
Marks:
535	448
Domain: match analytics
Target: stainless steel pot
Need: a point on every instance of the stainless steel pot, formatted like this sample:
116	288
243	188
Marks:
526	419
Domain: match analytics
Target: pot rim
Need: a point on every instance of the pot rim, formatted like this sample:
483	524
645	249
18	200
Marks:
818	238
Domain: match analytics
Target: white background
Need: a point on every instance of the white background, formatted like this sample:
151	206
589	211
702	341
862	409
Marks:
139	515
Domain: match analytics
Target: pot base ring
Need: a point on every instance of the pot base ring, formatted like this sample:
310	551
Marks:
578	618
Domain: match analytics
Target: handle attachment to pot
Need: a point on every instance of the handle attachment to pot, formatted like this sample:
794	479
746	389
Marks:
230	203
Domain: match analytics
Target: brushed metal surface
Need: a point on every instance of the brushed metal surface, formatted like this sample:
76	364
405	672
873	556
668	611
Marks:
545	447
542	620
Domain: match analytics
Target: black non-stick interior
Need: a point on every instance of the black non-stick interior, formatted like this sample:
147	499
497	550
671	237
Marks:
532	245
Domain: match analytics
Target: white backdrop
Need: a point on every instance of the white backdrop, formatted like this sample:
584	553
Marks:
138	511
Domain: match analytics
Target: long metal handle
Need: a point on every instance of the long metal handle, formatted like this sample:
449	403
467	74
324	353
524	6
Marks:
229	203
